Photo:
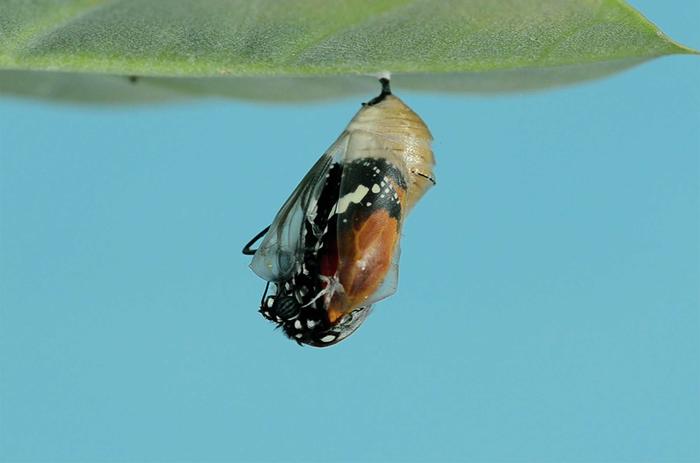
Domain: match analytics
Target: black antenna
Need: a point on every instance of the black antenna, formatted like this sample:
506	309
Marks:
246	249
386	90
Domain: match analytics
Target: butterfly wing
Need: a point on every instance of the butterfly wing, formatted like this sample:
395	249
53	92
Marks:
282	250
369	218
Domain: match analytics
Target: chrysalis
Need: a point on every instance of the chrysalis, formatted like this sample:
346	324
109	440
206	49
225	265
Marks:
333	249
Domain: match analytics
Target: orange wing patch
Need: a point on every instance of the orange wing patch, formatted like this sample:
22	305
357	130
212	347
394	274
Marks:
366	254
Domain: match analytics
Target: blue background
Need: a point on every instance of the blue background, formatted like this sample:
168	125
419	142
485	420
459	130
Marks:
548	307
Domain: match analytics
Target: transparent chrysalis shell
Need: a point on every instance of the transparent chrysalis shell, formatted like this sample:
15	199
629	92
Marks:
333	248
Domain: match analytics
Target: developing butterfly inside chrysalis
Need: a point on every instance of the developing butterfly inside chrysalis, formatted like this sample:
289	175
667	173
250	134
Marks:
332	251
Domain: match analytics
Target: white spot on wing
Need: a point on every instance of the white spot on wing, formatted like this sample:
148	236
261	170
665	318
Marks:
311	212
354	197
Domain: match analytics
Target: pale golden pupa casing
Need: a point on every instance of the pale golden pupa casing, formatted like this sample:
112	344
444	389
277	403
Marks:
390	129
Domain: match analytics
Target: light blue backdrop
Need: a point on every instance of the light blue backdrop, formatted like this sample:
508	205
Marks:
548	307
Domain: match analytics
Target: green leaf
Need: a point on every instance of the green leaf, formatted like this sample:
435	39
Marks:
308	49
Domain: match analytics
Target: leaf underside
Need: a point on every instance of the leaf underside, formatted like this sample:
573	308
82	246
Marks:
296	50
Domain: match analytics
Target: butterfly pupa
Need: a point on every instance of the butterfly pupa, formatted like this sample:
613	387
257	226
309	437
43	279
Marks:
333	248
